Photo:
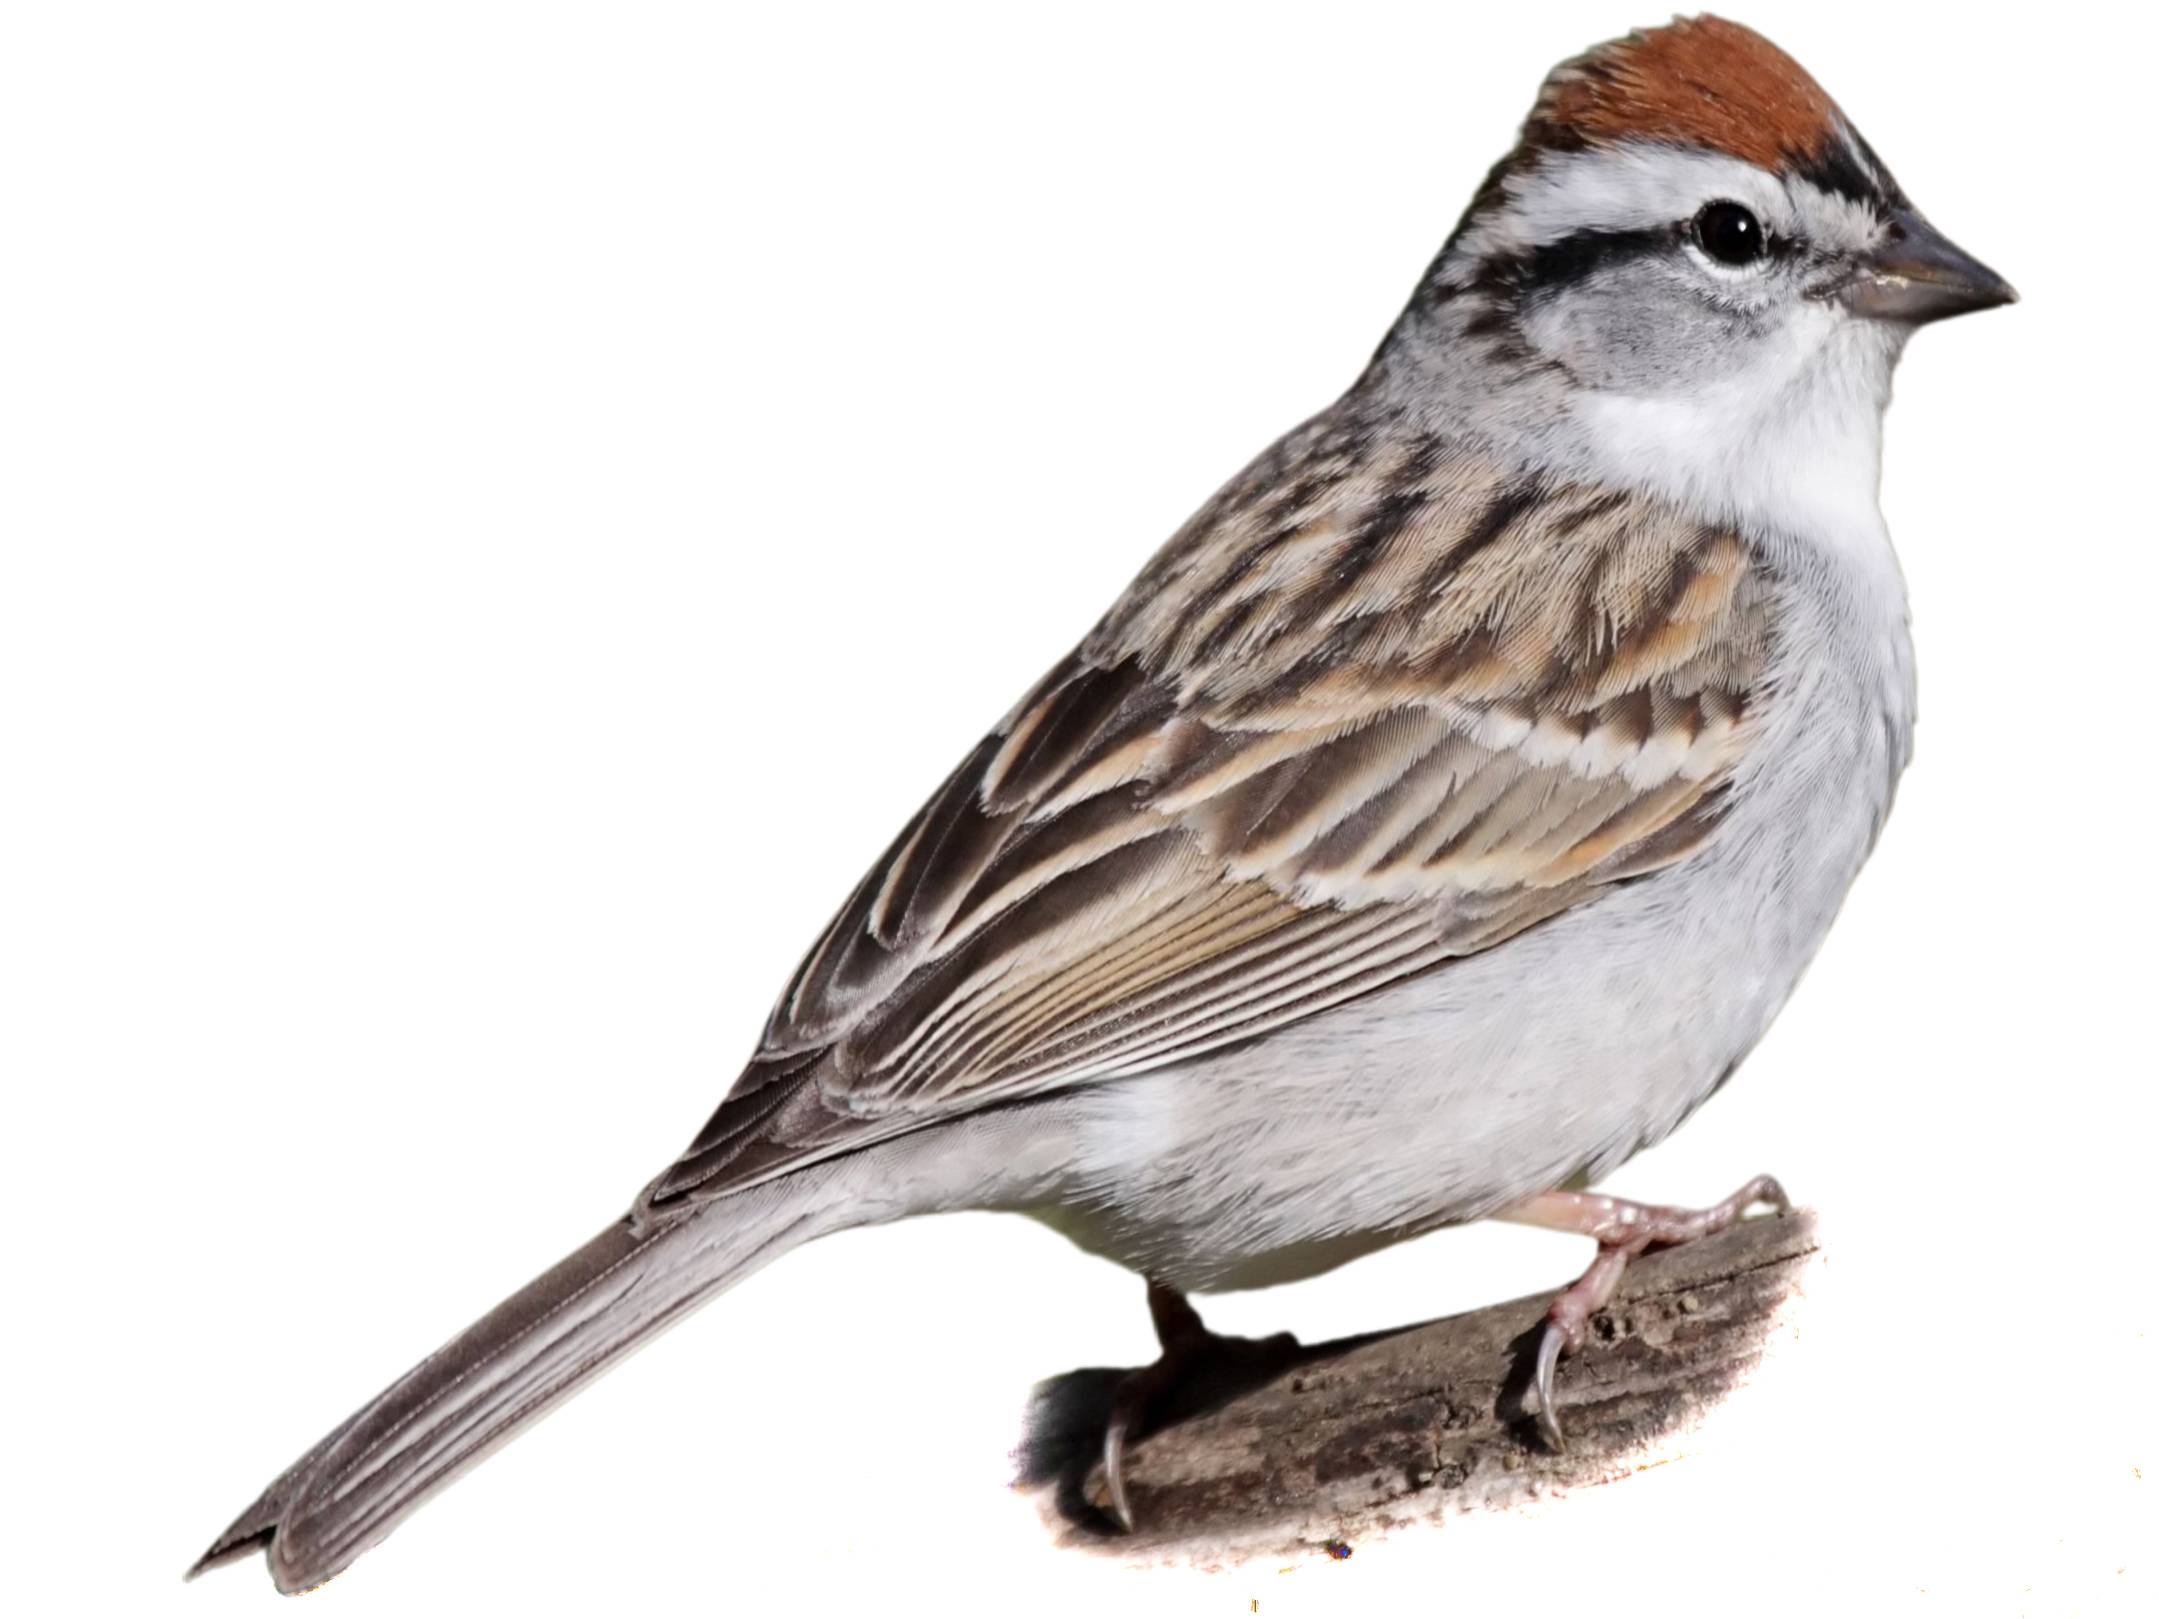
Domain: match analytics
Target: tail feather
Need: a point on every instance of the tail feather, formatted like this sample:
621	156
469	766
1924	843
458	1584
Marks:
504	1371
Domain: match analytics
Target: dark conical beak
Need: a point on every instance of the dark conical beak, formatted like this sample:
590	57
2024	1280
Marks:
1918	275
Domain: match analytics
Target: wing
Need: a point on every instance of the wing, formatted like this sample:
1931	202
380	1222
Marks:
1381	704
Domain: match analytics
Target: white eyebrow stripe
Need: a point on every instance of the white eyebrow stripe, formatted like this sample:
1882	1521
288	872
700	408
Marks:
1631	186
1642	185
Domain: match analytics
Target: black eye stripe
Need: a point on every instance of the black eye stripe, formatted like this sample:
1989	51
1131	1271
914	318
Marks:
1576	257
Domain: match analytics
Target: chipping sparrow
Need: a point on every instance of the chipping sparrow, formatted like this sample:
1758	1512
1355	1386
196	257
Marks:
1439	818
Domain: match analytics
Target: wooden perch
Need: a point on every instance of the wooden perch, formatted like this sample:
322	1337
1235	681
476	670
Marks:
1304	1446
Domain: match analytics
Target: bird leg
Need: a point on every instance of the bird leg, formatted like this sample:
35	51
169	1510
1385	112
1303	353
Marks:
1190	1354
1622	1230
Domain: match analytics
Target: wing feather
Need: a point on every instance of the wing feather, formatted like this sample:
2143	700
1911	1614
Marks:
1380	705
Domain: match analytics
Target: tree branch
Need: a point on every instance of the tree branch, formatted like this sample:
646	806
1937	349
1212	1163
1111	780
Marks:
1301	1446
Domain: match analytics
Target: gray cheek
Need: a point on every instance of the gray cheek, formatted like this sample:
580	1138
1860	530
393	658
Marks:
1640	334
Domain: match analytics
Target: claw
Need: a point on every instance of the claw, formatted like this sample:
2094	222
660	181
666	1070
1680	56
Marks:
1120	1502
1125	1415
1548	1352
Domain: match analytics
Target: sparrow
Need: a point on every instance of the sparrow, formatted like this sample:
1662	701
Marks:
1438	819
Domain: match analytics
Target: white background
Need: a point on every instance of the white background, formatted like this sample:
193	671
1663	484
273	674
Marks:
507	508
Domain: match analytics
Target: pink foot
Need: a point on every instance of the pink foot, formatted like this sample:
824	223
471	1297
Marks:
1622	1230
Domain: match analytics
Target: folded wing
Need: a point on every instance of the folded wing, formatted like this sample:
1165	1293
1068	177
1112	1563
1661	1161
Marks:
1380	705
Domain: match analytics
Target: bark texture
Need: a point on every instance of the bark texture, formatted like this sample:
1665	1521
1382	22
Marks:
1301	1446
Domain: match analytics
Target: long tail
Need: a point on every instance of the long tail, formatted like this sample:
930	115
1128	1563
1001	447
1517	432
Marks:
506	1370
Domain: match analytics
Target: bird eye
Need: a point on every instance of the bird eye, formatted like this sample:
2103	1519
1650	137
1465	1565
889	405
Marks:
1730	234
